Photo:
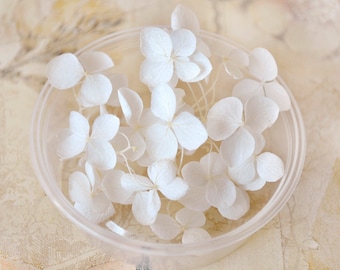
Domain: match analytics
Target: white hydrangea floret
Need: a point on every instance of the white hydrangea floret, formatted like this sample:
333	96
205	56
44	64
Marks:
186	221
96	146
163	137
239	126
161	178
211	174
262	66
68	70
88	198
171	56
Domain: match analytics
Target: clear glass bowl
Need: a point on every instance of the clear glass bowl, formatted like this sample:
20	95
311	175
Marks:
286	139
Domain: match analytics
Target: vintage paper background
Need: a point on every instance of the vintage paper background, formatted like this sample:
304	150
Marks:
304	37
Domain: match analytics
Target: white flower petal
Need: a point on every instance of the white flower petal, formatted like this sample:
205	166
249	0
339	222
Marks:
95	90
92	175
131	104
105	127
190	219
269	167
175	190
260	113
195	199
233	70
145	207
243	173
278	94
117	81
161	142
189	131
237	148
79	124
64	71
100	203
183	17
254	185
163	102
135	183
213	164
101	154
94	61
162	172
262	65
165	227
221	192
113	188
195	235
155	42
239	208
71	146
154	73
95	217
224	118
79	187
193	174
247	88
183	42
186	70
204	64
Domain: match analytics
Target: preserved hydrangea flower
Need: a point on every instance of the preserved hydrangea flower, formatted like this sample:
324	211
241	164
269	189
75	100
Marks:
185	140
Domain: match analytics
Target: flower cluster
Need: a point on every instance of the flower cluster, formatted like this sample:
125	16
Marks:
180	143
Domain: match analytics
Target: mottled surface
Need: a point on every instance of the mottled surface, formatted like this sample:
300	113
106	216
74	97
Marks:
304	37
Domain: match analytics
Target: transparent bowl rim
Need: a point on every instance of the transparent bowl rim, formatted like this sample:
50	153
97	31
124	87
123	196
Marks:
235	236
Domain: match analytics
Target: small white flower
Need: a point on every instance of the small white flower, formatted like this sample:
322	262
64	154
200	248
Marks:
257	170
77	139
210	173
239	127
161	178
88	198
163	137
67	70
171	56
239	208
263	67
186	221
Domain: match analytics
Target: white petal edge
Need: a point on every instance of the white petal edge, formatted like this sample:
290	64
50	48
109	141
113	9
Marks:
105	127
239	208
95	61
145	207
101	154
189	131
95	90
262	65
131	104
237	148
189	218
113	188
64	71
269	167
224	118
165	227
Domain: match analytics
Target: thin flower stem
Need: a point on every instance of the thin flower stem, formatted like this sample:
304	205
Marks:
211	88
180	161
204	96
196	100
131	171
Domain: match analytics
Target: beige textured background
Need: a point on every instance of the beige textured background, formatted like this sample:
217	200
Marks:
304	37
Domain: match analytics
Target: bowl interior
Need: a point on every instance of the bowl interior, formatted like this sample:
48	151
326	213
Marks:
286	139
